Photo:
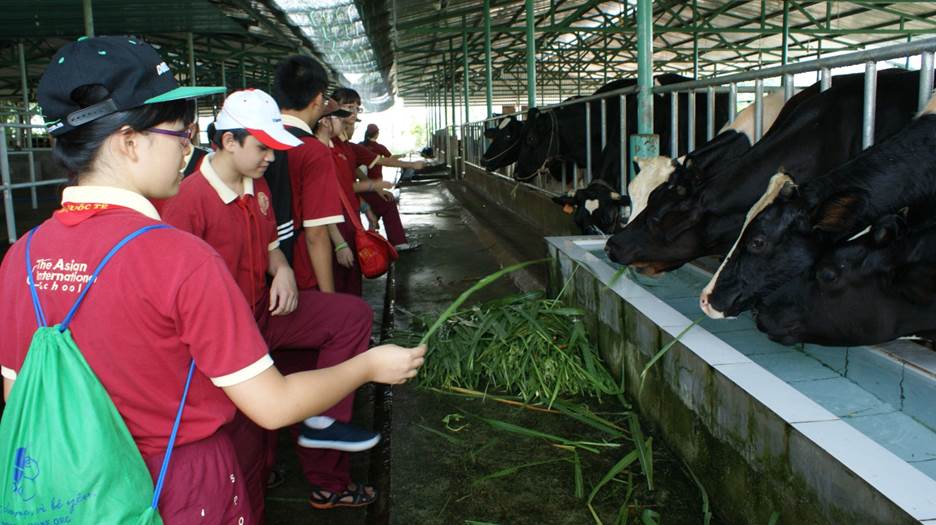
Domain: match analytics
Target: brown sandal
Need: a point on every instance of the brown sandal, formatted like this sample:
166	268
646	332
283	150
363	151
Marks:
359	497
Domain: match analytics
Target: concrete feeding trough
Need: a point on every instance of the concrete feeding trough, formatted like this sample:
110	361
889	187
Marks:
818	434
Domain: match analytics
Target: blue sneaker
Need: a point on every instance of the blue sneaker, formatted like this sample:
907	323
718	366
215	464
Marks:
338	436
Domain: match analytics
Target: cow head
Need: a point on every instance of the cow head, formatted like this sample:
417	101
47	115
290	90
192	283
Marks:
870	289
505	143
667	232
540	142
776	244
596	209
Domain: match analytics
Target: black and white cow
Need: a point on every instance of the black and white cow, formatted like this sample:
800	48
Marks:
663	184
790	225
505	143
558	132
868	290
596	209
702	212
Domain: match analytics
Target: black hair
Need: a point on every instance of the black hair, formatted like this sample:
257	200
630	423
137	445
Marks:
369	135
77	149
345	95
240	135
297	81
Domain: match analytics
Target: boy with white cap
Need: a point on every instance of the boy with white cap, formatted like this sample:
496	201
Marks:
227	203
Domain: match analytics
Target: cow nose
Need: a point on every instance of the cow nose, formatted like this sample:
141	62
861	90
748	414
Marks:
706	306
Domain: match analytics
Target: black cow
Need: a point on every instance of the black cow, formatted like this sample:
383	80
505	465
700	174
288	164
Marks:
869	290
505	143
596	209
784	237
701	211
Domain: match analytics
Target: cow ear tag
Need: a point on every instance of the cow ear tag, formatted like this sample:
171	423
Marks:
568	209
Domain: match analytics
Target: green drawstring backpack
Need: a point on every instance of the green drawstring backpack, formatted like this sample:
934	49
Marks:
66	456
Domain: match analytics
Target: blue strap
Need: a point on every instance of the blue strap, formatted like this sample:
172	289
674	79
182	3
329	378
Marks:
172	438
71	313
41	321
37	308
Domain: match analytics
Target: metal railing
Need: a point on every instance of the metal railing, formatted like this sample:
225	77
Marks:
475	143
6	176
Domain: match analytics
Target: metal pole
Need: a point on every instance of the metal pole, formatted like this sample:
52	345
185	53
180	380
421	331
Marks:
488	93
758	109
465	57
787	87
870	93
622	138
531	56
926	79
88	17
190	45
691	122
7	192
732	102
674	124
710	117
695	43
588	142
786	32
28	144
825	81
223	74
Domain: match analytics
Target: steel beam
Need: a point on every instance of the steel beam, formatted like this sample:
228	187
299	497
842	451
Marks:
531	56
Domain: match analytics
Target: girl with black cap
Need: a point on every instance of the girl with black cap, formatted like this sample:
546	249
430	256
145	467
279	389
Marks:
122	127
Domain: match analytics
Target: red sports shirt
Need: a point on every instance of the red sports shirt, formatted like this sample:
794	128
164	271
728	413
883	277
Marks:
242	228
165	298
315	196
375	172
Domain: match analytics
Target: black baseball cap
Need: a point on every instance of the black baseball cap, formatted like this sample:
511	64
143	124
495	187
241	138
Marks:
130	69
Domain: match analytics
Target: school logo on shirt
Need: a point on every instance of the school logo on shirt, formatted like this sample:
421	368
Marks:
264	202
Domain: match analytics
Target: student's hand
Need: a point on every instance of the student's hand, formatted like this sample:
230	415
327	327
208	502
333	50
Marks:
372	221
419	164
385	194
392	364
382	185
345	257
284	295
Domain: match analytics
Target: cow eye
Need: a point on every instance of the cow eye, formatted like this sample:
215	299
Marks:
827	275
531	140
757	244
681	191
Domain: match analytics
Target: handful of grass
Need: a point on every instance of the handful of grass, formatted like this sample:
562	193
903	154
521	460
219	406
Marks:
527	345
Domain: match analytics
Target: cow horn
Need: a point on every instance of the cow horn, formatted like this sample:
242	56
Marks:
615	196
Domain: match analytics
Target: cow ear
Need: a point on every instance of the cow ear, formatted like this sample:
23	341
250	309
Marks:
839	214
789	191
490	133
888	229
916	282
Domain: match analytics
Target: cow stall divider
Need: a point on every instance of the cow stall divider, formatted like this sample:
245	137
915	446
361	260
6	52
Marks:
26	147
755	87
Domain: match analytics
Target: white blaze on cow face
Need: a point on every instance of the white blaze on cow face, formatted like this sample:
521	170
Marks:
654	171
744	121
503	123
591	205
773	189
930	108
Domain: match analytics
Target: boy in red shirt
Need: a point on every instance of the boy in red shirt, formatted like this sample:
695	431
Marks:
227	203
379	201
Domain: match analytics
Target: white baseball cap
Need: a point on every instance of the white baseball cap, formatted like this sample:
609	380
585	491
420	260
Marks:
255	111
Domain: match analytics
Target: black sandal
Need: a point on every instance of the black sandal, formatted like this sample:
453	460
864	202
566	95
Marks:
359	497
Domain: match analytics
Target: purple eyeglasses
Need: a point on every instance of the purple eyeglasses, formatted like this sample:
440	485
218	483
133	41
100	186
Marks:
184	135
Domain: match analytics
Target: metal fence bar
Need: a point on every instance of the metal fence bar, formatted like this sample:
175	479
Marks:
588	141
826	81
732	103
691	120
758	109
604	123
926	79
622	138
787	87
24	185
870	94
710	117
7	191
674	124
